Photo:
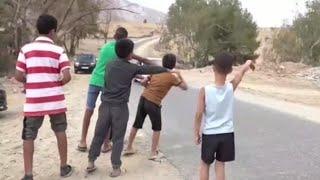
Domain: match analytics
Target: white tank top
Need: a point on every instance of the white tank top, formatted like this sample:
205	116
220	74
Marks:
218	115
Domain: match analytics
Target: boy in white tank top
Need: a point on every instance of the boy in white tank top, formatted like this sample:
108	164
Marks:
215	107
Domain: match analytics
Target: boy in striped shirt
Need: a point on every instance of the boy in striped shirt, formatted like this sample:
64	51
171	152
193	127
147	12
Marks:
44	68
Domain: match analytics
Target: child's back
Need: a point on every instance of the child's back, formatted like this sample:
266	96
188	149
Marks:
218	113
159	86
215	103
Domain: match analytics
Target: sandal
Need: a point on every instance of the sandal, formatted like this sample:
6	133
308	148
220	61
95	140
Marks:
129	152
91	169
156	157
81	148
153	158
66	171
117	172
27	177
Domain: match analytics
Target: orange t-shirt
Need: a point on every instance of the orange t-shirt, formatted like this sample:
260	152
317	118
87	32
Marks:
159	86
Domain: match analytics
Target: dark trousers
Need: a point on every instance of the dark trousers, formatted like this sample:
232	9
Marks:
115	116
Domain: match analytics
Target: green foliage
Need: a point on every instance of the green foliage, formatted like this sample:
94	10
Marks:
205	27
300	42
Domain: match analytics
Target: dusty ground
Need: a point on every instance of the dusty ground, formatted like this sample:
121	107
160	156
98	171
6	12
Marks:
46	162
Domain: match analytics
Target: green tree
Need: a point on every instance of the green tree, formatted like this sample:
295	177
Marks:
206	27
300	42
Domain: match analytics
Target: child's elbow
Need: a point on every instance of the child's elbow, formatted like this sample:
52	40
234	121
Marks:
68	79
185	88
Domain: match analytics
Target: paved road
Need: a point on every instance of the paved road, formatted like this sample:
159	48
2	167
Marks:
270	145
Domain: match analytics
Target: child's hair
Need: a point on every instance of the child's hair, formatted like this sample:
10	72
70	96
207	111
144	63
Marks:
46	23
124	47
169	61
223	63
121	33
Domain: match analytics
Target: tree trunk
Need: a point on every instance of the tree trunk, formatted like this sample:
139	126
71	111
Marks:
72	50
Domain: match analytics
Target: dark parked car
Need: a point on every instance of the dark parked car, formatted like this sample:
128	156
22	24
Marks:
85	62
3	99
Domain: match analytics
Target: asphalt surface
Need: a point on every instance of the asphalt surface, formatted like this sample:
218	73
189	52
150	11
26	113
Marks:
270	145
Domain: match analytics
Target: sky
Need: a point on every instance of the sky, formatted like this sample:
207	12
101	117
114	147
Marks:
266	13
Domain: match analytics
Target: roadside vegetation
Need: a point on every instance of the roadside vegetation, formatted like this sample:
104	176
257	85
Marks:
198	29
300	42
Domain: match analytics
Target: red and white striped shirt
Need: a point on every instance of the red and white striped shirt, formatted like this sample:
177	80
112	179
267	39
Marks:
43	62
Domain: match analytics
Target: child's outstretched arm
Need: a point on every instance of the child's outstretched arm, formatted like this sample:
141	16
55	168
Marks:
149	69
199	114
239	75
143	60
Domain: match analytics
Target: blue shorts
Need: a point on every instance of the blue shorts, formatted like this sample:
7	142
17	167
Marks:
93	93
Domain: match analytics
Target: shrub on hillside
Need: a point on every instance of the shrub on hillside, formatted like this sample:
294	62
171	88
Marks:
300	42
202	28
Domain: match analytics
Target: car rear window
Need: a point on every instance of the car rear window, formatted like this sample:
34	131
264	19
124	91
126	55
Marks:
86	58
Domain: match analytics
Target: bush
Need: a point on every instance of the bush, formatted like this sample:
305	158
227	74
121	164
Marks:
204	28
300	42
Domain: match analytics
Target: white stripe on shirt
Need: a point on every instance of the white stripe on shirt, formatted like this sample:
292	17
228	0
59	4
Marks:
37	93
44	106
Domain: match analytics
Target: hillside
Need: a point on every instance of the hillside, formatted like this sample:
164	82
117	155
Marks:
141	13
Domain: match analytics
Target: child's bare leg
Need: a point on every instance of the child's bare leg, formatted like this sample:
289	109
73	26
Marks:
132	136
204	171
28	149
155	143
220	171
63	147
106	144
85	126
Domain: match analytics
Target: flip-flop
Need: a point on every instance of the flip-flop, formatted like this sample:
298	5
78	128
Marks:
157	157
66	171
129	152
91	169
113	175
153	158
82	149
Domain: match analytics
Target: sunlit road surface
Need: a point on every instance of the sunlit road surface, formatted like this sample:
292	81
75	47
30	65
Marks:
270	145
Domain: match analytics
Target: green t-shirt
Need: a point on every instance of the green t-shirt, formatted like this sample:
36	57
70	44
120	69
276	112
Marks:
107	54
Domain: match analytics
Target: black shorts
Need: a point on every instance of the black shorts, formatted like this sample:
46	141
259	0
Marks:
217	146
31	125
151	109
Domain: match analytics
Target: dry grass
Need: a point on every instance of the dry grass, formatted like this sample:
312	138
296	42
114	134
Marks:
135	29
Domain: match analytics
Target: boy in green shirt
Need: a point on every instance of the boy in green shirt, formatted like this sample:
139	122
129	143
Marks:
97	83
